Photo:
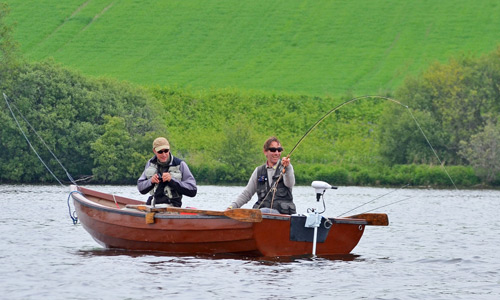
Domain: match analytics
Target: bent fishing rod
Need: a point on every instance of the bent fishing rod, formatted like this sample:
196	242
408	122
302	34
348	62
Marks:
344	104
335	109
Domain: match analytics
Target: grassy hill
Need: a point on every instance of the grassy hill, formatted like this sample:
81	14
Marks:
305	47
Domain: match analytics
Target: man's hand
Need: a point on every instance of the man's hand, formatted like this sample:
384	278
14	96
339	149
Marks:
165	177
155	179
285	161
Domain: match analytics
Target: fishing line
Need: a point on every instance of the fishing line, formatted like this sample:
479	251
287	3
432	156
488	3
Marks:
389	204
430	145
45	144
435	154
29	143
373	200
72	215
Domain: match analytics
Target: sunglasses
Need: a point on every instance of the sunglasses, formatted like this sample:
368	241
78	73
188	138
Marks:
163	151
272	149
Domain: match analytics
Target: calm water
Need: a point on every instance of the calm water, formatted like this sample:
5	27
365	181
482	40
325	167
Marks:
441	244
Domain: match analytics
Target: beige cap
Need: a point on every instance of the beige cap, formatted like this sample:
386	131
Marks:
160	143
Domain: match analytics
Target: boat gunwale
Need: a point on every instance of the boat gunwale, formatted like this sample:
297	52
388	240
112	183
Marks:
91	204
83	200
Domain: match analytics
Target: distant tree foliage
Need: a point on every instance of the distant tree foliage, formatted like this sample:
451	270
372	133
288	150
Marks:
239	151
452	102
98	127
483	152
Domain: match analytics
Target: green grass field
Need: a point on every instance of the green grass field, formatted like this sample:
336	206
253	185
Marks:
312	47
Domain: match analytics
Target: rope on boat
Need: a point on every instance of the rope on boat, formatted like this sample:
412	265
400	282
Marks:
73	215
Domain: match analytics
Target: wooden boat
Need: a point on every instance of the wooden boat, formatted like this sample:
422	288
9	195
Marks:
119	222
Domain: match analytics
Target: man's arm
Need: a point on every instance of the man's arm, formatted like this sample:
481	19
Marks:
248	192
187	186
144	185
289	177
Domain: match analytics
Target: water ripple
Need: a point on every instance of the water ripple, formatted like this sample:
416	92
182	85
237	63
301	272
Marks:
440	245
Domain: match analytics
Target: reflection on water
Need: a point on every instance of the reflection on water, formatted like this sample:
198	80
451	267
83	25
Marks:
440	244
222	256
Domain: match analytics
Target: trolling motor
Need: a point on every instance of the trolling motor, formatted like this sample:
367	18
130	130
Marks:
313	219
320	187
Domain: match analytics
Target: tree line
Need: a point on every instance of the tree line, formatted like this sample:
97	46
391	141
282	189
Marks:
458	105
101	129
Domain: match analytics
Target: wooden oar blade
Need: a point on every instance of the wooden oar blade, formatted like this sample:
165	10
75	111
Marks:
140	207
244	215
195	211
239	214
373	219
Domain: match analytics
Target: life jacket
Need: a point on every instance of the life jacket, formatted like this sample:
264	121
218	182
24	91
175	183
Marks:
162	193
283	199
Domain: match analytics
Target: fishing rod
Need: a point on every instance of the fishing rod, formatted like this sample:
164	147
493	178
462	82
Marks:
314	126
335	109
375	97
346	103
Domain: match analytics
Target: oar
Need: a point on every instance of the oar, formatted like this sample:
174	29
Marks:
239	214
373	219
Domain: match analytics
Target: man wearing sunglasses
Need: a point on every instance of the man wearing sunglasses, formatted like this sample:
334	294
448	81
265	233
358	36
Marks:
273	182
165	177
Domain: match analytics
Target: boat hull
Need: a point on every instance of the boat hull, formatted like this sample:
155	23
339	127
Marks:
273	238
112	225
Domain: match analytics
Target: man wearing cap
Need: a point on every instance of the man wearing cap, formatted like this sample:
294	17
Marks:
166	177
